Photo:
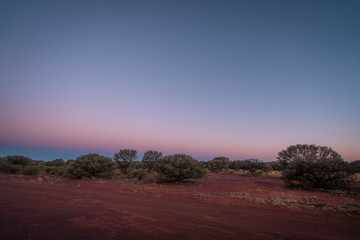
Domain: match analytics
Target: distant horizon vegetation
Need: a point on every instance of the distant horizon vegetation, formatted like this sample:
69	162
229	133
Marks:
50	154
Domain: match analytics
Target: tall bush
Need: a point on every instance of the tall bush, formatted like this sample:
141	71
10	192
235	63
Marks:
314	167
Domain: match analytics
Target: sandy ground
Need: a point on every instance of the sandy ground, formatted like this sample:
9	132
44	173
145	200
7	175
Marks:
218	207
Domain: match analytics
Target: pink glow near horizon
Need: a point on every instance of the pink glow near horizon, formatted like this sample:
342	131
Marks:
75	133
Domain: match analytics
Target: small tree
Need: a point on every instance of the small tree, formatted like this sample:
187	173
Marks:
92	166
311	166
176	168
149	159
124	158
218	164
18	159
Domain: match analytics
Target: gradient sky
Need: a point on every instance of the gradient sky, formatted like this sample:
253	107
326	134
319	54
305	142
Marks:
243	79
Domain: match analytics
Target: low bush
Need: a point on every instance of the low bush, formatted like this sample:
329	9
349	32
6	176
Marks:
18	159
92	166
38	162
138	174
354	167
218	164
56	163
236	165
137	165
3	161
59	171
176	168
31	170
10	168
68	162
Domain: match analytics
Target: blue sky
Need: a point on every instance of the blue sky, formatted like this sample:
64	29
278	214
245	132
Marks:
244	79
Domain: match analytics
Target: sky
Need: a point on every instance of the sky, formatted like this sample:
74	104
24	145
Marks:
242	79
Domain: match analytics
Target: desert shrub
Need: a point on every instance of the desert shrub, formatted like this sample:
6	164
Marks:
254	166
68	162
267	168
31	170
11	169
236	165
125	158
3	161
354	167
149	159
92	166
137	165
176	168
51	170
218	164
38	162
138	174
7	168
18	159
314	167
56	163
276	166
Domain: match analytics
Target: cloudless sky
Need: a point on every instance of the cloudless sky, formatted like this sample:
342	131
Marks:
243	79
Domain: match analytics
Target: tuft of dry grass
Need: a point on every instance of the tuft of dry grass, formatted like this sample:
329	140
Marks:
291	200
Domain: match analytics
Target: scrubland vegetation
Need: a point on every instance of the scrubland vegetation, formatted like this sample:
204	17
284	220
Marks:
300	166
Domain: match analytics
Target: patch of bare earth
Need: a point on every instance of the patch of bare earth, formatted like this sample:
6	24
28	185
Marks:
216	207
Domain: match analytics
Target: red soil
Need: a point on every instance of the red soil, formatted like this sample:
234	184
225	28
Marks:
212	208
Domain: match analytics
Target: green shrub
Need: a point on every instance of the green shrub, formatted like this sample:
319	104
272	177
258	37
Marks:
314	167
55	170
354	167
56	163
3	161
31	170
92	166
68	162
276	166
138	174
137	165
124	159
18	159
37	163
236	165
176	168
255	167
218	164
149	159
7	168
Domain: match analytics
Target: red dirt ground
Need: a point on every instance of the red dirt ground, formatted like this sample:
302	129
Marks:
218	207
